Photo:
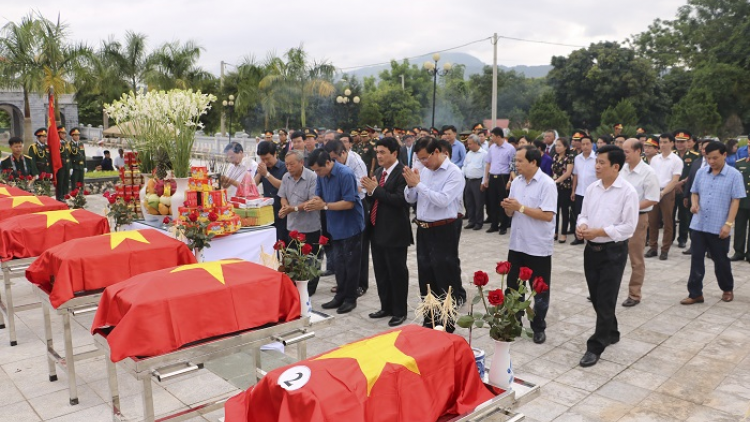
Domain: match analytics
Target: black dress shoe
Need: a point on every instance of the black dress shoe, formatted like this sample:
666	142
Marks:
651	253
326	273
589	359
503	231
477	227
663	256
491	230
346	307
379	314
737	257
630	302
577	242
332	304
397	320
681	244
469	226
688	251
361	292
540	337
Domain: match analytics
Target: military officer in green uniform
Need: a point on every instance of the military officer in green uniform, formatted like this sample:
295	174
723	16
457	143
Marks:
17	163
682	212
63	174
77	158
39	152
743	214
368	150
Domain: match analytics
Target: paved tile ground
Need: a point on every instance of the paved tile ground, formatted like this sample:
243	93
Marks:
674	362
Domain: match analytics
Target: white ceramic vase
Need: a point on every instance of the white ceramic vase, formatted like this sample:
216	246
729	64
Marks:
501	369
199	254
304	298
178	197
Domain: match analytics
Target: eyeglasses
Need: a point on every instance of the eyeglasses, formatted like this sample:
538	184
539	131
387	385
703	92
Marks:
425	159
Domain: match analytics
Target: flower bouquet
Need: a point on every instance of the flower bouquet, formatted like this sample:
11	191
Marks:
119	212
301	265
76	198
194	230
21	182
43	185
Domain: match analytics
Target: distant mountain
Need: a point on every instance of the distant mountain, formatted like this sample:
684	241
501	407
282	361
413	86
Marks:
473	66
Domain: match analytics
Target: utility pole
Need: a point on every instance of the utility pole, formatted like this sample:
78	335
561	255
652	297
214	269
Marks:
223	110
494	81
403	84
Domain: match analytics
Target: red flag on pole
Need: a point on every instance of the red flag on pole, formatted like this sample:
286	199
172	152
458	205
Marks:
53	139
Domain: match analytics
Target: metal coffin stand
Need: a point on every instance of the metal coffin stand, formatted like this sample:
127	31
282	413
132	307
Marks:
76	306
192	358
522	393
7	309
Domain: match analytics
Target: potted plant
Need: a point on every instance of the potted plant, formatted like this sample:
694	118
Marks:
120	213
503	309
300	263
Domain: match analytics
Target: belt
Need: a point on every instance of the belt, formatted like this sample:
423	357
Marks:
598	247
427	225
473	178
497	176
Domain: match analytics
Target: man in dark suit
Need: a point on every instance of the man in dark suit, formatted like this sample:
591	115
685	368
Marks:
390	235
405	154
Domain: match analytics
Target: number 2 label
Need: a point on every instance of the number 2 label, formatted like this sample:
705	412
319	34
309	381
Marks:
294	378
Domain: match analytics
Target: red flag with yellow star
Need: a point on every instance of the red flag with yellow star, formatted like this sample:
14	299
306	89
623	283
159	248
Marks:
158	312
403	375
93	263
28	235
17	205
6	191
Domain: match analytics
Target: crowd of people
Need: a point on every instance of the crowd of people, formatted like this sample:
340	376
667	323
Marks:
366	189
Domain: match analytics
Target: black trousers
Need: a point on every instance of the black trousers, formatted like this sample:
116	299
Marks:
347	253
563	210
437	260
474	201
740	231
312	240
364	266
327	249
577	205
542	267
719	248
391	277
685	216
497	193
63	183
603	269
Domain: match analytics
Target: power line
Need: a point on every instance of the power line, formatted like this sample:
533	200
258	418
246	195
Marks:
539	42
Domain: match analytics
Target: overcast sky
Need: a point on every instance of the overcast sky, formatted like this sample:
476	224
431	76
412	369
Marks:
354	33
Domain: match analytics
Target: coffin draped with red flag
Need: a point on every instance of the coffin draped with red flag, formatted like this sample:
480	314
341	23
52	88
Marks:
158	312
421	376
18	205
93	263
8	191
29	235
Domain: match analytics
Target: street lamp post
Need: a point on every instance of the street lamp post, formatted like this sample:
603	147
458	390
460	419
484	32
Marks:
345	101
432	68
229	106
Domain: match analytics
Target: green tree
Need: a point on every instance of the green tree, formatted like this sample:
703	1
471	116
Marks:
130	58
100	81
545	114
698	112
173	65
624	113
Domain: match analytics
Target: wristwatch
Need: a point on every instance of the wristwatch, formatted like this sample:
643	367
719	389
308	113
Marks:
729	224
296	209
522	209
325	207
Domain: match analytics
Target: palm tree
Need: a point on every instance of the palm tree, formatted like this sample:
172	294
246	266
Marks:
173	66
18	68
102	79
296	78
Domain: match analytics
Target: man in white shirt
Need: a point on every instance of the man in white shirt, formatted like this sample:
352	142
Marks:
473	172
646	184
668	168
584	174
119	161
608	219
532	203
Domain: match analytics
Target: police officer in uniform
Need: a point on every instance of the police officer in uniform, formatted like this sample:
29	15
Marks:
39	152
17	163
743	213
63	174
77	158
683	213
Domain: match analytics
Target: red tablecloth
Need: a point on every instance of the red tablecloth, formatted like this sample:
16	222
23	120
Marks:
93	263
403	375
160	311
17	205
28	235
6	191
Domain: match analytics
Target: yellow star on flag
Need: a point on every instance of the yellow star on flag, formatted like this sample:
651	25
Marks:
118	237
214	268
55	216
4	192
372	355
18	200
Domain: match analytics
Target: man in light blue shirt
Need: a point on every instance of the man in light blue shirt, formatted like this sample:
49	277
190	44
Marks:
437	191
716	194
459	150
532	203
474	172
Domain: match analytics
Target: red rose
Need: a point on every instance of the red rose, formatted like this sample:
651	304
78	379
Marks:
193	216
43	175
10	177
525	273
294	234
166	220
481	278
79	184
279	245
323	240
539	285
307	249
212	216
503	267
67	196
74	193
111	199
496	297
301	237
86	192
